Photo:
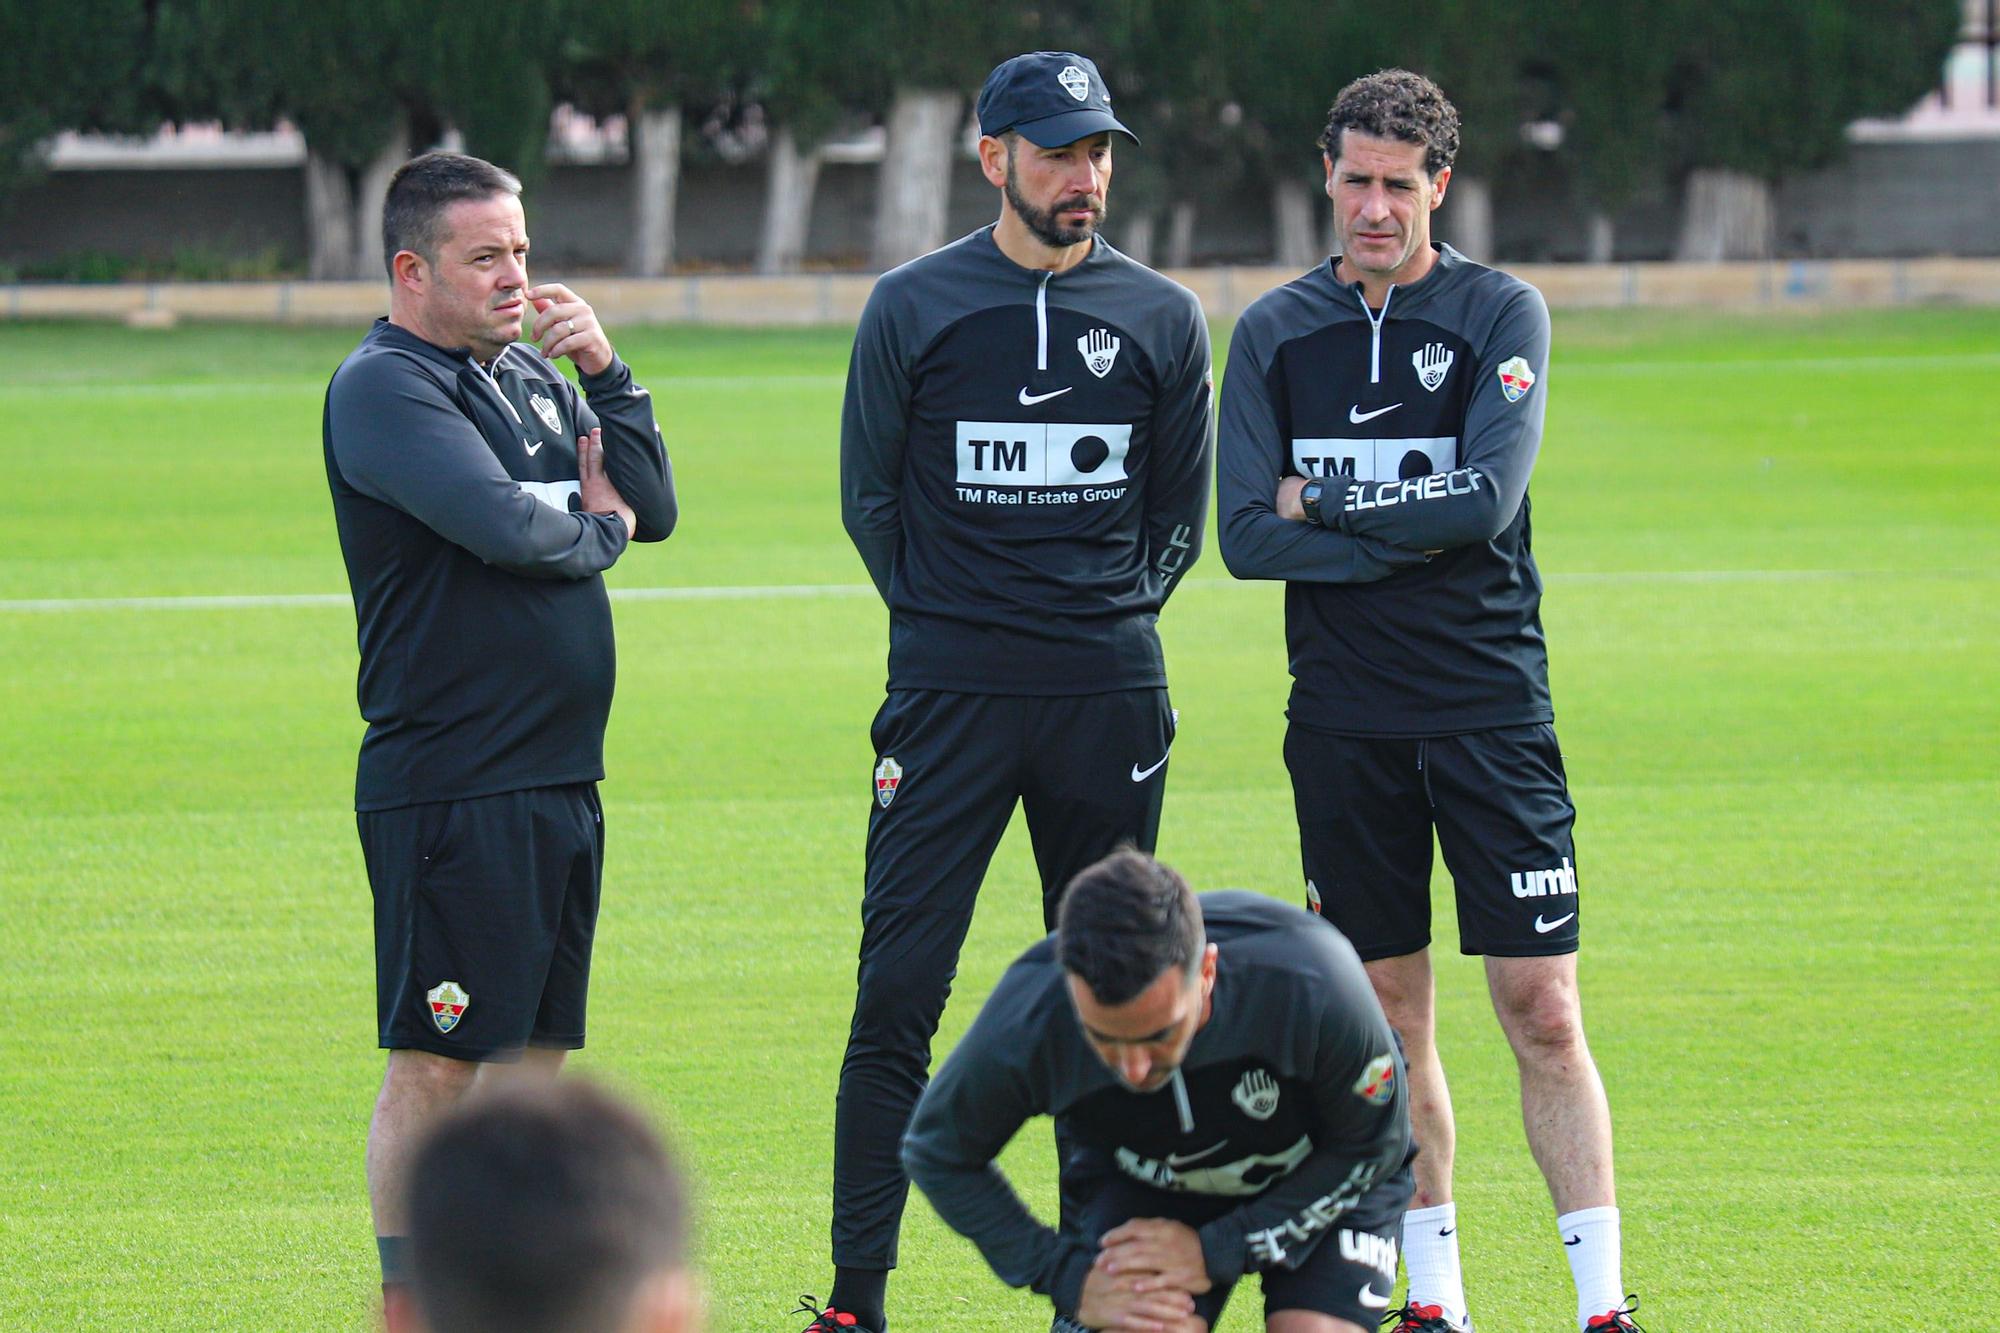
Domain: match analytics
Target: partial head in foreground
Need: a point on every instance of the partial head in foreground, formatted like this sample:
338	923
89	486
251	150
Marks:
456	244
548	1208
1131	938
1045	127
1389	143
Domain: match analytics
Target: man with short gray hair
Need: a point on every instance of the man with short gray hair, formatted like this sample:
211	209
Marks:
479	497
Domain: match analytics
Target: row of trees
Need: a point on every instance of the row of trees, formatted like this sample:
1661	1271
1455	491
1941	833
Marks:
1630	96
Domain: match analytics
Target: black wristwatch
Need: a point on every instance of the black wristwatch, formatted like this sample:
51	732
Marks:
1309	498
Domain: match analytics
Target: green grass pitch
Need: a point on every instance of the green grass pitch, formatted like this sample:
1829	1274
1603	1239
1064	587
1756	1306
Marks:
1774	616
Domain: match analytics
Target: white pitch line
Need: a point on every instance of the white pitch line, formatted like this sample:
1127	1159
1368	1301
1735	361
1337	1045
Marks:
1833	364
747	383
83	388
770	592
252	601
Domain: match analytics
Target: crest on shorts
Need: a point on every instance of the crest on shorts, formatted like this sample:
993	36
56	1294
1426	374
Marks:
1075	82
545	408
1377	1083
448	1003
1516	378
1433	363
1100	351
1257	1093
888	777
1313	902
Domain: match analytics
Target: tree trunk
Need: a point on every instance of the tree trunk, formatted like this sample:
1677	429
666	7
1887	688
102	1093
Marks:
1292	218
790	179
329	217
1180	234
1470	224
1602	237
371	190
1728	216
915	187
1136	237
656	182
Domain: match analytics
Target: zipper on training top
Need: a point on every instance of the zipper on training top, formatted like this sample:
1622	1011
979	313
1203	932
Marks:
1375	319
1181	1101
1042	323
505	402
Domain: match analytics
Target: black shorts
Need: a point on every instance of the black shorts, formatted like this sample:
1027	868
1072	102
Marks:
484	914
1500	804
1347	1271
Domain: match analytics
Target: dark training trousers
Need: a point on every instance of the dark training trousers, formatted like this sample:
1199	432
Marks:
1090	770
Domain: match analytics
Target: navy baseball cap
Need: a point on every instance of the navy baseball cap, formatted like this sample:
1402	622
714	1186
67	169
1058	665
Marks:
1051	98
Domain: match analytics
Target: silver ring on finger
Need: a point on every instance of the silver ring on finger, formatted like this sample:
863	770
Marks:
570	324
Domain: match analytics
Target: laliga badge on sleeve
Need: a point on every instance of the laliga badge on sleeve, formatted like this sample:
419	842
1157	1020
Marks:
888	777
1377	1083
447	1004
1516	378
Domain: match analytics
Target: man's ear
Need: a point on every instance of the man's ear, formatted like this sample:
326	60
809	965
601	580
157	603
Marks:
1438	182
993	159
412	274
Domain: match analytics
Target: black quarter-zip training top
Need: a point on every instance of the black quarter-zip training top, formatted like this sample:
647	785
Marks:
1424	419
487	661
1024	467
1290	1101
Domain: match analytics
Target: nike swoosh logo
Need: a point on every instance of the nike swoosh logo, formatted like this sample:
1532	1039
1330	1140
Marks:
1574	1240
534	448
1357	416
1544	927
1030	399
1141	774
1446	1231
1369	1300
1176	1160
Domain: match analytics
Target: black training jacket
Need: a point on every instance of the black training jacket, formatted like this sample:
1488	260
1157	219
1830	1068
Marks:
1024	467
485	632
1424	418
1291	1099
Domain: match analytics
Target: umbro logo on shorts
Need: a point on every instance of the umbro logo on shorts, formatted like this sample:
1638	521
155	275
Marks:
1544	883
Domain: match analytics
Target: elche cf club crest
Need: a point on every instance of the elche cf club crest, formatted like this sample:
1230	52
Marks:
888	777
1075	82
1100	351
545	408
448	1003
1377	1084
1516	378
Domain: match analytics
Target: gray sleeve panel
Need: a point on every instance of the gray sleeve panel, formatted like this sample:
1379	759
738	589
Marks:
1183	440
874	424
979	1099
1476	501
1356	1141
1253	456
398	437
635	454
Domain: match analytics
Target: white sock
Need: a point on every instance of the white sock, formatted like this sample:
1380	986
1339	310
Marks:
1430	1252
1590	1239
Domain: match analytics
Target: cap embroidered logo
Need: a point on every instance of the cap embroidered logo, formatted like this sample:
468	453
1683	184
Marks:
1075	82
